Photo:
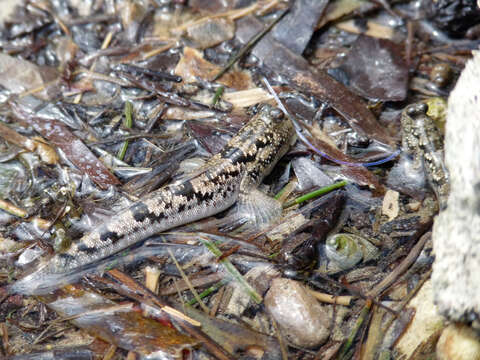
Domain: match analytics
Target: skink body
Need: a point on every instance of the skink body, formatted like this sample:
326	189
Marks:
239	167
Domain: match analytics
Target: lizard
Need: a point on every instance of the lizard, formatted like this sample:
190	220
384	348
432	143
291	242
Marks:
225	179
423	141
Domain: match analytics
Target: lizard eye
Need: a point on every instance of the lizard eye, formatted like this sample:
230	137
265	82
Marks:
417	109
276	113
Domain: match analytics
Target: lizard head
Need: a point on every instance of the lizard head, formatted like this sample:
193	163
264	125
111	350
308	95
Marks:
261	142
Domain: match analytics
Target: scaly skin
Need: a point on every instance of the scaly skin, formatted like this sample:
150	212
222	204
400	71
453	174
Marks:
424	142
241	165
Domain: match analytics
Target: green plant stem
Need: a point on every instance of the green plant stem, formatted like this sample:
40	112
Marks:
218	95
315	193
128	124
361	318
230	268
208	291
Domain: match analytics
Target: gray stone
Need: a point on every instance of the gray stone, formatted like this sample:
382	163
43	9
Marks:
456	231
309	175
300	317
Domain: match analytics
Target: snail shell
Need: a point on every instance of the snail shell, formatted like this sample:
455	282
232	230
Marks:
441	74
347	250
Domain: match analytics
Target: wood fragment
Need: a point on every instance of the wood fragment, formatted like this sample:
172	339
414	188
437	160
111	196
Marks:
286	191
110	352
199	281
280	339
356	328
5	340
138	292
329	352
44	7
400	269
159	50
231	14
46	152
375	333
217	301
42	224
245	98
152	275
187	281
14	137
131	356
92	75
407	299
12	209
331	299
373	29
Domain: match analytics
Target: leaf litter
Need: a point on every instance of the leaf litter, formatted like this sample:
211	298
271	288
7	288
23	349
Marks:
104	102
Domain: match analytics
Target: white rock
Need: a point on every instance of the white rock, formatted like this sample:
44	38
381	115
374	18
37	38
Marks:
458	342
425	323
456	232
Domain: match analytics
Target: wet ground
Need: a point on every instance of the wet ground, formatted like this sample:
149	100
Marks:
103	102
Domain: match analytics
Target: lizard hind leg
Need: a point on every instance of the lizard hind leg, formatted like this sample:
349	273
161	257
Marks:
255	210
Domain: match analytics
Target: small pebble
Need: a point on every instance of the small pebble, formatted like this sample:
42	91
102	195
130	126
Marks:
301	319
458	342
390	206
414	205
309	175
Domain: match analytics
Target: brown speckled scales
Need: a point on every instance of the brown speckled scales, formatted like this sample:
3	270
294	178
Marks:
424	142
240	166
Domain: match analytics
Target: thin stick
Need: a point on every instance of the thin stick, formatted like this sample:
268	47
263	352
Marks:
232	270
407	298
158	51
105	44
187	281
128	124
5	342
218	95
316	193
356	328
400	269
331	299
248	46
12	209
303	138
110	352
281	341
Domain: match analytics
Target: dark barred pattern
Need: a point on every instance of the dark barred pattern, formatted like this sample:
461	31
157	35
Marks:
424	142
240	166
